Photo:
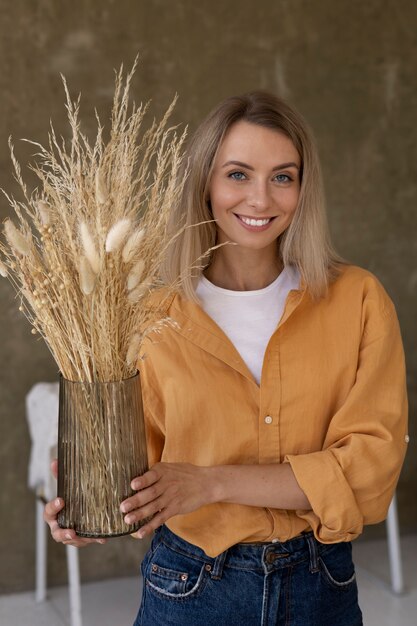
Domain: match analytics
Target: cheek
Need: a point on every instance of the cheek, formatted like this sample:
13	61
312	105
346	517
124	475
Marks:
222	200
290	201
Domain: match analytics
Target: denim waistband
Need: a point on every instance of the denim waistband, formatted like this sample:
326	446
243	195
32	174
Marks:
264	557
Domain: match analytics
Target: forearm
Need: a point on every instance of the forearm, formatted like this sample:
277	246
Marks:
273	486
169	489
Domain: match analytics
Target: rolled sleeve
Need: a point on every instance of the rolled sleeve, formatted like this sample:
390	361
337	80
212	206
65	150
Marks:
351	481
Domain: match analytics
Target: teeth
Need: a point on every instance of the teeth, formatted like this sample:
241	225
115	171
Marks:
251	222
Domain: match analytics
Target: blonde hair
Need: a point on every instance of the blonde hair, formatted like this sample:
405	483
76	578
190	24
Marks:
305	243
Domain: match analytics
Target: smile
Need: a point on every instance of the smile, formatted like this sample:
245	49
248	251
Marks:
254	223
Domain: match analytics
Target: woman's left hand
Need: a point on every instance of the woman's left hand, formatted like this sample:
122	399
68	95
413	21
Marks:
167	489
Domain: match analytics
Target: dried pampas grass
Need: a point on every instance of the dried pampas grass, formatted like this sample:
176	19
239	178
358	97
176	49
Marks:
131	247
135	274
89	247
88	244
117	234
87	276
18	242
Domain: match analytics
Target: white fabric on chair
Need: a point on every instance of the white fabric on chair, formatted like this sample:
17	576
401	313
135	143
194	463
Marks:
42	417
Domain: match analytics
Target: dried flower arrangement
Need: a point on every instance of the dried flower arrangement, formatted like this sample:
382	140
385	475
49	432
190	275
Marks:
83	258
88	245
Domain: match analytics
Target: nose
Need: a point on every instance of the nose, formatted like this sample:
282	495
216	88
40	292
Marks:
259	197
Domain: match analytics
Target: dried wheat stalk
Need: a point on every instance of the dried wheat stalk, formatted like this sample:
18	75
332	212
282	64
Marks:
87	246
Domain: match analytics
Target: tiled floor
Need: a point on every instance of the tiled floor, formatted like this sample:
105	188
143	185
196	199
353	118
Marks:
115	602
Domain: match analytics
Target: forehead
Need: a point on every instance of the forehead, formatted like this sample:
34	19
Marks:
244	140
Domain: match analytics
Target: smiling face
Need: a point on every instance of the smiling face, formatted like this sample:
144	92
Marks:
255	185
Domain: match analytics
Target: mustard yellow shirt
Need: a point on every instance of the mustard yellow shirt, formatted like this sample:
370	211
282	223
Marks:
332	402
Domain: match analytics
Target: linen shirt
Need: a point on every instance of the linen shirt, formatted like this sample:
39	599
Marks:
332	402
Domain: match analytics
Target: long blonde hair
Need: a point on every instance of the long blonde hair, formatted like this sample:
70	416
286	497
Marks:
305	243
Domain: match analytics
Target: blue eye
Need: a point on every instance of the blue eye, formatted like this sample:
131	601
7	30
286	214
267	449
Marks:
283	178
237	175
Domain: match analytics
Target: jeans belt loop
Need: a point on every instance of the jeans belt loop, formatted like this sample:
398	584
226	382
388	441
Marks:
314	554
217	569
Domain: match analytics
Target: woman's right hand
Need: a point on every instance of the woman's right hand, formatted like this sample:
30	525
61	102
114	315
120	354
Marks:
63	535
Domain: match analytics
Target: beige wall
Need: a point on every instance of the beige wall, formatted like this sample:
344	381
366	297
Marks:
350	67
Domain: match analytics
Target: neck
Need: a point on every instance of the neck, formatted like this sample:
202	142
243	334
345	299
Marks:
240	269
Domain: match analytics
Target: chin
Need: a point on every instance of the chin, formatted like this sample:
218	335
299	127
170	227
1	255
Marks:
254	245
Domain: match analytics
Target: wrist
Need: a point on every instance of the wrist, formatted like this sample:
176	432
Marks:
214	484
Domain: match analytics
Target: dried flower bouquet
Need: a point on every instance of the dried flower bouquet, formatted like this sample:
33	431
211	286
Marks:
88	245
83	257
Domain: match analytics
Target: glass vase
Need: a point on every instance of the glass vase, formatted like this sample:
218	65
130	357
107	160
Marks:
101	448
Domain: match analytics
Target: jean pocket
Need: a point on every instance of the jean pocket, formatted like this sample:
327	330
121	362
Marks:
336	566
174	575
168	580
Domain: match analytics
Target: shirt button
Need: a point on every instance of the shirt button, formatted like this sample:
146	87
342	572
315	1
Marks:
275	540
406	439
268	419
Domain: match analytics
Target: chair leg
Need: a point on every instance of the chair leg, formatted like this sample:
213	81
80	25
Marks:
74	585
394	549
40	553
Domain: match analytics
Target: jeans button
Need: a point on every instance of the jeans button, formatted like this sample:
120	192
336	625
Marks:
271	557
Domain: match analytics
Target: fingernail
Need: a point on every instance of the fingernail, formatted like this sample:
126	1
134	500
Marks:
129	519
57	502
124	508
135	484
141	534
102	541
68	536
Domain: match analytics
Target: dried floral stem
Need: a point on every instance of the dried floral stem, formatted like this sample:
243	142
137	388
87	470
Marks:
89	243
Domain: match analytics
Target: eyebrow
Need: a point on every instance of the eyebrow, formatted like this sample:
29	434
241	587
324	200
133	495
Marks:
282	166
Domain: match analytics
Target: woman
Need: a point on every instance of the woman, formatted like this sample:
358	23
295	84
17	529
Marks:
276	408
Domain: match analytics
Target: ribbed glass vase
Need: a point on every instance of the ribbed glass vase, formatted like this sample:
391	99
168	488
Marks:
101	448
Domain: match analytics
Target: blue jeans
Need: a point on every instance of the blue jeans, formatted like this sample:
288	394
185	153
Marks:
299	582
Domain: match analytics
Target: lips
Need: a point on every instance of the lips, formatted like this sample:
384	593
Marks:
253	223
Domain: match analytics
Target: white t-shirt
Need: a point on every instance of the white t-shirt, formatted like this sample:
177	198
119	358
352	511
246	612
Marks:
249	318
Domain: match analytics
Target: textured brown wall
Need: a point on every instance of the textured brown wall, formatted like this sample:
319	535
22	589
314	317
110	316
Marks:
350	67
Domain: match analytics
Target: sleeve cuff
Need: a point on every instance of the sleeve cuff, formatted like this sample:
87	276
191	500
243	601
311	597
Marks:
335	515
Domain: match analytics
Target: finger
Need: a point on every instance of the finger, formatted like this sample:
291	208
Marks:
68	536
159	519
140	499
62	535
147	479
145	511
75	544
54	468
51	509
88	540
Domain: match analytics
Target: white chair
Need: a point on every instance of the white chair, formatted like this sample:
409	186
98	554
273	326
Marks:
394	548
42	417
